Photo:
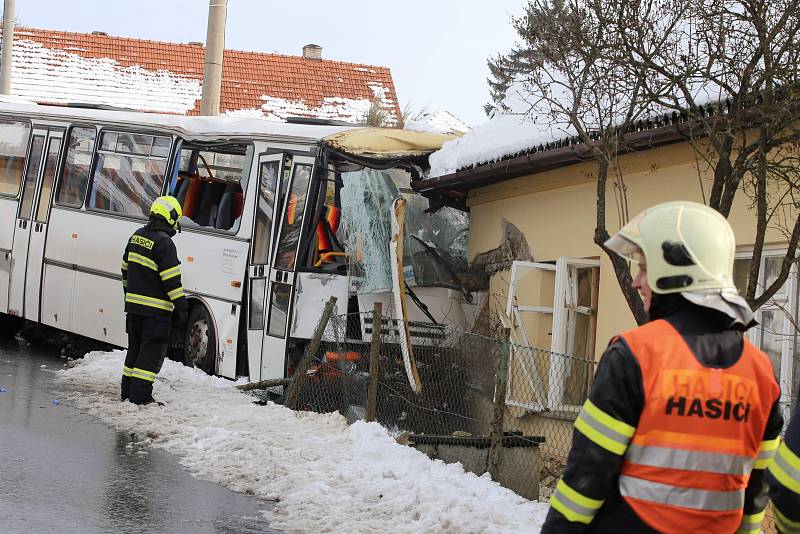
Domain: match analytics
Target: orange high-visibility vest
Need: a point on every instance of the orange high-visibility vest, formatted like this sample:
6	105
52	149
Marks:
700	432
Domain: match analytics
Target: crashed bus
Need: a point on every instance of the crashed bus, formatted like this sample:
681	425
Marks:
278	218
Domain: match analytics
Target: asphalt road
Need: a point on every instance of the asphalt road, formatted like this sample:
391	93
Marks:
64	471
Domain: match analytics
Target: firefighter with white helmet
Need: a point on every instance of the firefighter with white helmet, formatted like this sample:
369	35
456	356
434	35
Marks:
154	298
683	414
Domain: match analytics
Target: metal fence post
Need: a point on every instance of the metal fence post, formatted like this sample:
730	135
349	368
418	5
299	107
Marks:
493	459
374	361
311	350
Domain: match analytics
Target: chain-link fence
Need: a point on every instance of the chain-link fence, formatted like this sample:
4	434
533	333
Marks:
474	389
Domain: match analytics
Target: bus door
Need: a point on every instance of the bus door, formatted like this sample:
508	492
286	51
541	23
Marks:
31	223
268	203
280	283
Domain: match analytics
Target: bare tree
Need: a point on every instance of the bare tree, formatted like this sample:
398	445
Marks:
728	68
731	67
572	85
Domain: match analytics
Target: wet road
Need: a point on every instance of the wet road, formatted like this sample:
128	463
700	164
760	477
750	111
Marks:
64	471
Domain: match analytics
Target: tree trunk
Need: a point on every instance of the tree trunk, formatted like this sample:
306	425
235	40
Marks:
621	268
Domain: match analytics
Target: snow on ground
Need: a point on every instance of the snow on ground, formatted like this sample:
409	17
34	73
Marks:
324	475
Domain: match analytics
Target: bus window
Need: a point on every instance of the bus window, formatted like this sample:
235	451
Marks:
13	145
72	186
295	206
210	184
31	176
265	212
128	176
50	164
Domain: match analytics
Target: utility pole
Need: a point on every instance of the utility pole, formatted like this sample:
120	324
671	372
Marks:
8	44
215	46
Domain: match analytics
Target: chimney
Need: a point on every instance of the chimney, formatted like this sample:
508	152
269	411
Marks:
312	51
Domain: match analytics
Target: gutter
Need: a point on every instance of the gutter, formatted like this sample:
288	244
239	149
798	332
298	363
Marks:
451	189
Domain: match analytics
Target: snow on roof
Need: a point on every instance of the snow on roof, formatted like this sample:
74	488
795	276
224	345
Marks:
191	127
516	129
509	132
323	475
60	67
440	121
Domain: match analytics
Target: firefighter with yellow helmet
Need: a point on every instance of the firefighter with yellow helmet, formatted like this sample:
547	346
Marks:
154	298
683	414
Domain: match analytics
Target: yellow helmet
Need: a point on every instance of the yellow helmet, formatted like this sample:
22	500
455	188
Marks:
686	246
169	208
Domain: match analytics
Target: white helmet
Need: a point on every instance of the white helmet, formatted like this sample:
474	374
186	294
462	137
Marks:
687	247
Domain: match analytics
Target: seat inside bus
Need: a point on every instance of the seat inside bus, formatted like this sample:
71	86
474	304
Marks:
208	184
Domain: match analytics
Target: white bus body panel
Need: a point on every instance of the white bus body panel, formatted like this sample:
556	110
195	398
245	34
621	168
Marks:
312	292
57	291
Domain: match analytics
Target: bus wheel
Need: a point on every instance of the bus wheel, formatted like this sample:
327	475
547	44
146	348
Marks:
201	341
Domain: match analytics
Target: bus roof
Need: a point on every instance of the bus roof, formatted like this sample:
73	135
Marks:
189	127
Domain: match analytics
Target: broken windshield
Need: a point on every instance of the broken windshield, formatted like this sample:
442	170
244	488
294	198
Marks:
434	244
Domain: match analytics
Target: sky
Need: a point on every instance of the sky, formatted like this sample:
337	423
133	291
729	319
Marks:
436	49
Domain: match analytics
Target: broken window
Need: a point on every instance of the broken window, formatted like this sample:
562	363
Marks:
552	312
209	182
434	246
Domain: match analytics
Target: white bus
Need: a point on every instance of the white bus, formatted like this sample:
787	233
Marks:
278	217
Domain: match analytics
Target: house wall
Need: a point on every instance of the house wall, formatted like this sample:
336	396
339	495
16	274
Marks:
556	211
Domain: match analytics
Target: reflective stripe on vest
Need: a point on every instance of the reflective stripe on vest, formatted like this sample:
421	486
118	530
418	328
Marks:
143	374
172	272
711	462
766	452
127	371
603	429
697	499
751	524
144	300
133	257
699	434
784	524
573	505
785	467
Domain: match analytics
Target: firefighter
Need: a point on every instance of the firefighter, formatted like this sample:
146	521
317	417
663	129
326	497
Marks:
154	298
683	417
783	476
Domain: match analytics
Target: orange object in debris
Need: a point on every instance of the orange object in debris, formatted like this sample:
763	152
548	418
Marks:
291	209
349	356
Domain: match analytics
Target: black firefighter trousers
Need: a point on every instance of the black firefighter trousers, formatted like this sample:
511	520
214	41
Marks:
148	337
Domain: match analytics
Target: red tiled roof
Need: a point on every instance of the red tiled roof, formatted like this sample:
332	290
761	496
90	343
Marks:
247	76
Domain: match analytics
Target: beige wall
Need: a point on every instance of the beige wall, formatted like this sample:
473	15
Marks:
556	210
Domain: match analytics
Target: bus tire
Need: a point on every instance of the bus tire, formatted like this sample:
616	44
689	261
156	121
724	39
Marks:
200	342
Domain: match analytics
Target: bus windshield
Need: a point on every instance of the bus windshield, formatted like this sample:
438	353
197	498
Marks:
434	244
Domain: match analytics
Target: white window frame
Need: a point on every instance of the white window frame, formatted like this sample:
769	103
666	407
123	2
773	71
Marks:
564	301
789	305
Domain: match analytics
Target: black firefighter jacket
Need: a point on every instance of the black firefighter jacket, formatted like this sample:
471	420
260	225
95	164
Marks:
617	390
151	272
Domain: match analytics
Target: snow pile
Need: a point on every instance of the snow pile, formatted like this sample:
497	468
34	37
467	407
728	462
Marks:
440	121
513	130
56	76
325	476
